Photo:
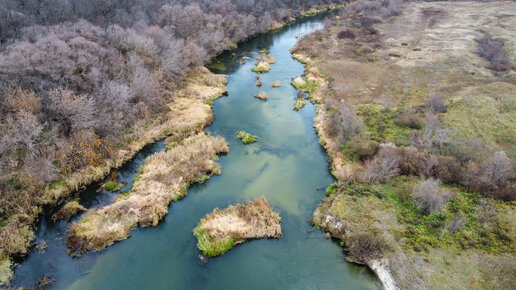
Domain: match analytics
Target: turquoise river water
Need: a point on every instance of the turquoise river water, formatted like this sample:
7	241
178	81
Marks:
287	166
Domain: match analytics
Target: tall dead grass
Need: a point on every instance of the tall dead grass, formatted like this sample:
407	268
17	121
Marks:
166	177
218	231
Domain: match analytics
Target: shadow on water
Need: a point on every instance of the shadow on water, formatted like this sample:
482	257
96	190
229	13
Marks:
287	166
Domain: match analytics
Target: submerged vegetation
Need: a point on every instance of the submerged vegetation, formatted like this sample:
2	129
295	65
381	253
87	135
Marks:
220	230
246	137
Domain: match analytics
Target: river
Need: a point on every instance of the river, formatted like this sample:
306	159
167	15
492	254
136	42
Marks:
287	166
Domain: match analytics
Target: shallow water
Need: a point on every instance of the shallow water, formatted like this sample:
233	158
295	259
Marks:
287	166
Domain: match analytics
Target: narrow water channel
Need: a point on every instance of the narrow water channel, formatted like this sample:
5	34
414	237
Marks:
287	166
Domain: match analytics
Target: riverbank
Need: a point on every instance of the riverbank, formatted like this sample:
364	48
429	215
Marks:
221	230
189	113
376	86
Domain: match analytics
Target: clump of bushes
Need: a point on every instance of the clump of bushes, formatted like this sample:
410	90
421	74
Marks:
246	137
494	52
383	166
111	185
365	247
436	104
362	149
429	197
220	230
346	33
68	210
410	120
343	123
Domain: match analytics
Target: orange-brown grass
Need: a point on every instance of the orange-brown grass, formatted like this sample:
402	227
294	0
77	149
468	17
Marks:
166	177
220	230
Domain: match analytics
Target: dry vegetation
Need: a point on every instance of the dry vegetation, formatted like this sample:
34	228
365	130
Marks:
84	85
165	177
220	230
68	210
417	114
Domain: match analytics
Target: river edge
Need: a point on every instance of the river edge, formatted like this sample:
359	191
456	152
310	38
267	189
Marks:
58	193
312	73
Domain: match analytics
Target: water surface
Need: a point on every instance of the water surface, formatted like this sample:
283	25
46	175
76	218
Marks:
287	166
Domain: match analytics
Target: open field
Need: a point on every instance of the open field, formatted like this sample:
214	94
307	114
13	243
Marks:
395	84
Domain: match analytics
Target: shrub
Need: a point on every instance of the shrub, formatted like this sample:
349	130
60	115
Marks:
365	247
332	189
412	121
428	197
346	33
112	185
436	103
246	137
494	52
343	123
383	166
363	149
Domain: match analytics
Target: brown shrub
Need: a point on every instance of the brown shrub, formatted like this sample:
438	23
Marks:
85	149
436	104
412	121
346	33
383	166
364	247
363	149
429	197
494	52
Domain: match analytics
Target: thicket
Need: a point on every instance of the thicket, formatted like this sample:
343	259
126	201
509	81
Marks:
79	78
494	52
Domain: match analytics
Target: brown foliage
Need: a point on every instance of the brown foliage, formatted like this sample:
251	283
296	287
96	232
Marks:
85	149
363	149
383	166
365	247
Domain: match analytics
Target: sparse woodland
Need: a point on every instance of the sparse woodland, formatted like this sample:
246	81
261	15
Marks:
81	80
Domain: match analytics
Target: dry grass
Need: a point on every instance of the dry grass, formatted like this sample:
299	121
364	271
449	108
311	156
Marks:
261	67
276	84
262	96
220	230
166	177
68	210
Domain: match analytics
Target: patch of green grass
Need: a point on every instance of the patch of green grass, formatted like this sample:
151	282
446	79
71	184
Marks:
331	189
299	104
210	247
264	51
382	124
201	179
112	185
246	137
138	174
259	70
459	225
217	65
495	105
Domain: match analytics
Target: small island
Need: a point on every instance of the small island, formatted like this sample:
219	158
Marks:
220	230
246	137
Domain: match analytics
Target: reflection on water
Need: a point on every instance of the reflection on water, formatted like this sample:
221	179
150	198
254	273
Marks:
287	166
